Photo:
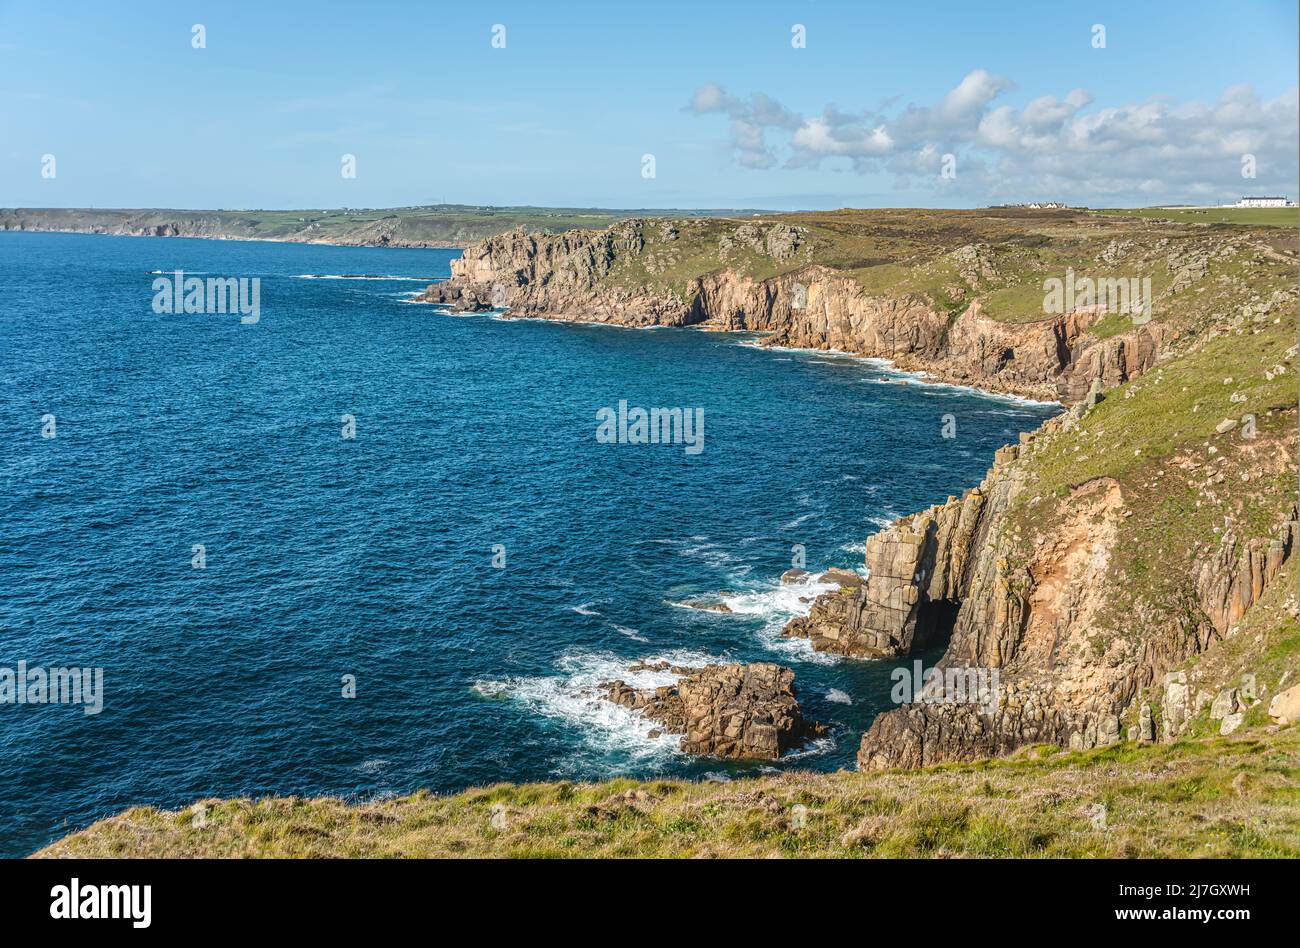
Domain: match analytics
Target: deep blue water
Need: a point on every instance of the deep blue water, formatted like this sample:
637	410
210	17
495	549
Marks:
373	556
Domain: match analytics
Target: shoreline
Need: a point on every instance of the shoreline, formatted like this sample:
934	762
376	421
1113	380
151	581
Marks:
920	377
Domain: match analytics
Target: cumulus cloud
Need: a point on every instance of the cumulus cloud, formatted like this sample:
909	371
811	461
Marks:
1067	147
749	120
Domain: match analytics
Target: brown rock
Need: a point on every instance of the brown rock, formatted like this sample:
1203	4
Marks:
736	711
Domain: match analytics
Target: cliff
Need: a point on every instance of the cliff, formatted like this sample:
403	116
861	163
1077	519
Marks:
1101	553
770	277
440	225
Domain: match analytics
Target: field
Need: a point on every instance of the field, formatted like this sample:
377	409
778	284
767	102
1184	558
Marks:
1254	216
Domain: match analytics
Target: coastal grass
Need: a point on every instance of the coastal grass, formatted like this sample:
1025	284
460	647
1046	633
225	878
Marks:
1214	797
1252	216
1002	257
430	225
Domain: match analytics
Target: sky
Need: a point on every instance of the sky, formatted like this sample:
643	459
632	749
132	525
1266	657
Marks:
923	104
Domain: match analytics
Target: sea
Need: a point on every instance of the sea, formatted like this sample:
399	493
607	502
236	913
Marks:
360	546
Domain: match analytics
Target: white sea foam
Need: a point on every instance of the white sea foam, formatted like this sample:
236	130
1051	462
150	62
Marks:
489	689
776	603
838	697
927	384
777	599
574	697
584	609
811	749
630	633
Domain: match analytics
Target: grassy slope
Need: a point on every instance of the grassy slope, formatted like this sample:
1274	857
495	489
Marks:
899	252
1217	797
1261	216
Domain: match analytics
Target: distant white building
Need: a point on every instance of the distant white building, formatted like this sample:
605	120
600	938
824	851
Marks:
1263	202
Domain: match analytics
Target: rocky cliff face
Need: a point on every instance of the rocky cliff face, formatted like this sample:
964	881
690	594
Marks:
570	277
1031	609
920	572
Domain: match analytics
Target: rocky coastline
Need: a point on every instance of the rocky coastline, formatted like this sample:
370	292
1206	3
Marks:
1032	601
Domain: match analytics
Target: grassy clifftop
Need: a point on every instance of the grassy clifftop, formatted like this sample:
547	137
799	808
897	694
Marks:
1209	797
440	225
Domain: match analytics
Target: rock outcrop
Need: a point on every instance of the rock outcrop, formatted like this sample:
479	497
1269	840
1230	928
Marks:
919	572
1035	621
748	712
569	276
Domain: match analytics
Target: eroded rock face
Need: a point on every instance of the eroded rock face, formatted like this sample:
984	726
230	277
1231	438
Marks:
919	572
1230	581
1285	706
567	277
1035	620
743	712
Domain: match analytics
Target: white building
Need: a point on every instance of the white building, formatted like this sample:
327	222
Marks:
1263	202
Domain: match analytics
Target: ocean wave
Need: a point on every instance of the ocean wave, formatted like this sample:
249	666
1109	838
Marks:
927	384
777	599
630	633
812	749
838	697
776	603
574	697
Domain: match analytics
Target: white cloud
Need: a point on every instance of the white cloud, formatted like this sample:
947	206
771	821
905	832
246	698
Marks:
1064	148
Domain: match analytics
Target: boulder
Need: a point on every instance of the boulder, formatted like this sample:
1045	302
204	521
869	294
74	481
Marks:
792	576
1285	706
741	712
1225	703
844	578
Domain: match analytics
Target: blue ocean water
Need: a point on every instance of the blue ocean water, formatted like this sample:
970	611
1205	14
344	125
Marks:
373	556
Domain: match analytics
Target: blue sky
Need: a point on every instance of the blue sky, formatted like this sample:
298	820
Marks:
862	116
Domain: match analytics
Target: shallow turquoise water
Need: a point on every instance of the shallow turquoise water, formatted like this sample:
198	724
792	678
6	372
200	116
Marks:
373	556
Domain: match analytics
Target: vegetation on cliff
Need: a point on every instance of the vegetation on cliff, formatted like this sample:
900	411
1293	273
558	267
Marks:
437	225
1210	797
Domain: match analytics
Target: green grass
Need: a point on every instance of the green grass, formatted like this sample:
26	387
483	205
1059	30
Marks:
1254	216
1216	797
433	225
